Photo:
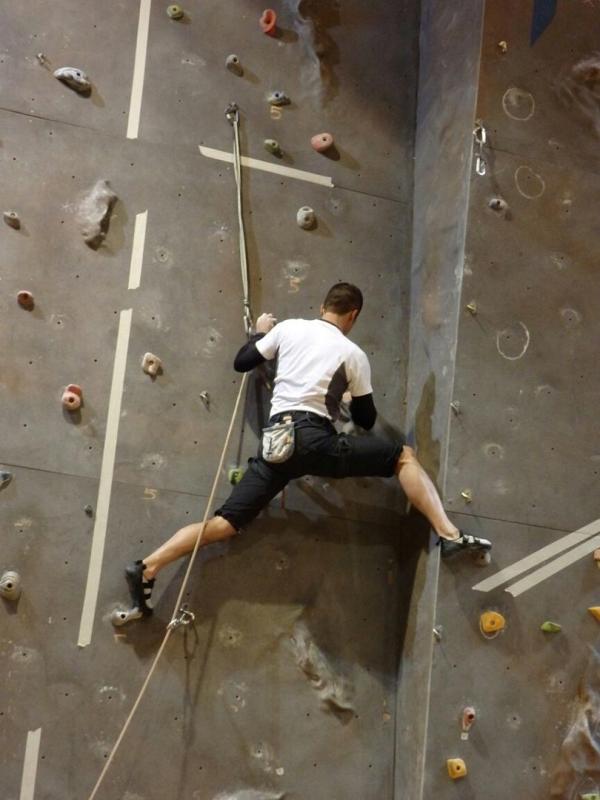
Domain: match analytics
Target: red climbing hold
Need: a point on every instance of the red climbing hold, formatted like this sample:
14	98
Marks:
25	300
71	398
268	21
322	142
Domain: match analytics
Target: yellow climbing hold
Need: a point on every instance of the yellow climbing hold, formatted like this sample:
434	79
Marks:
456	768
595	612
492	622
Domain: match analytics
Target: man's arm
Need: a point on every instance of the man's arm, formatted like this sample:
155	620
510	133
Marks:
249	355
363	411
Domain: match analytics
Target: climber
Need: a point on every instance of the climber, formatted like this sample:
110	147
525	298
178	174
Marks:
316	365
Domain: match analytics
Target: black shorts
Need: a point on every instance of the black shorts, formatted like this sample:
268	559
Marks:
319	450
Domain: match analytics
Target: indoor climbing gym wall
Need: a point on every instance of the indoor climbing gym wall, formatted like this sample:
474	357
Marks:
121	311
515	690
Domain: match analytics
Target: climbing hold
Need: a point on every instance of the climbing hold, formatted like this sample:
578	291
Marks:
12	219
482	558
467	495
175	12
597	557
5	478
272	146
498	204
438	633
595	612
322	142
456	768
205	397
472	307
268	22
121	617
590	796
41	58
468	718
89	510
233	64
455	406
94	213
151	364
503	46
278	98
235	475
25	300
72	397
10	586
74	78
306	218
550	627
491	622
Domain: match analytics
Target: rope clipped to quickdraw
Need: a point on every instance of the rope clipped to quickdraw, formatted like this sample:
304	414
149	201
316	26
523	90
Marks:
182	616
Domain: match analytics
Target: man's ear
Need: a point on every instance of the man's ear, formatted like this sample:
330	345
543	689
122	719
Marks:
354	314
322	310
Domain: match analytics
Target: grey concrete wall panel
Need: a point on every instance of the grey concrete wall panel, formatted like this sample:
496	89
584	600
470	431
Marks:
523	381
368	53
448	72
541	100
522	684
73	35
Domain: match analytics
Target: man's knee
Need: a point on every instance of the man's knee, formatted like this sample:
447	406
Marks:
218	528
407	456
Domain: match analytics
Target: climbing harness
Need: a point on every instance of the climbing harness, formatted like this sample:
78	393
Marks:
182	616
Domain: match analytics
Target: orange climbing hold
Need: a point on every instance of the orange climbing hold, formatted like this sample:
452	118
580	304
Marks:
595	612
268	21
456	768
492	622
71	398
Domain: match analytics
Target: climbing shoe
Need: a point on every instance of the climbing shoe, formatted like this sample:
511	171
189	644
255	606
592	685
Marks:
139	588
465	542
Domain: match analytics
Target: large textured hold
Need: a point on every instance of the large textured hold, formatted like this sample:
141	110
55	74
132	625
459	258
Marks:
334	690
311	21
94	213
250	794
75	79
578	768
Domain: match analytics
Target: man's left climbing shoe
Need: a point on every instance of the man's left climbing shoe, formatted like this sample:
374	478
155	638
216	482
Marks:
465	542
139	588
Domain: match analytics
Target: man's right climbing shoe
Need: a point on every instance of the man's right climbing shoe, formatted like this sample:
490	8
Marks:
139	588
465	542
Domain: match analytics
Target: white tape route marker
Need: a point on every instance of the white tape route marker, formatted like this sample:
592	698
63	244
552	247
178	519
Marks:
535	559
139	70
268	166
106	477
30	764
137	250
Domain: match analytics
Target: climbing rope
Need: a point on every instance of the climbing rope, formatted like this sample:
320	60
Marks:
182	616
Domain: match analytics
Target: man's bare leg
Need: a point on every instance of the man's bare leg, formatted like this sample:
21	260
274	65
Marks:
420	490
183	542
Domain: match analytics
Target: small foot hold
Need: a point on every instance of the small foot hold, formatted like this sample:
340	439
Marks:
10	586
139	588
233	64
72	397
491	623
272	146
5	478
25	300
175	12
121	617
322	142
12	219
465	542
456	768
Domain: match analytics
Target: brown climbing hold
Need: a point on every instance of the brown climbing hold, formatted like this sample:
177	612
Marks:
72	397
25	300
322	142
492	622
12	219
595	612
456	768
268	22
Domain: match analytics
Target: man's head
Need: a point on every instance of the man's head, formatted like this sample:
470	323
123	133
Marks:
342	305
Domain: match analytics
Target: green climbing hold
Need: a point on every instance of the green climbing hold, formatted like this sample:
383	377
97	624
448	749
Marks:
175	12
272	146
590	796
235	475
553	627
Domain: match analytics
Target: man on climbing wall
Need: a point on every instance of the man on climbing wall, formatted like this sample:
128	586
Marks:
316	365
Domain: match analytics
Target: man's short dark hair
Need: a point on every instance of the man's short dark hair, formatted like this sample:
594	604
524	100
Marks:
342	298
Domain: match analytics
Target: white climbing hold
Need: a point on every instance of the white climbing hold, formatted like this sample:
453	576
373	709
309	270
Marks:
10	585
306	218
74	78
121	616
151	364
232	62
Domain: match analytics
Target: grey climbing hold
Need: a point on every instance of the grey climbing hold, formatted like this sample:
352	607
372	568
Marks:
498	204
10	586
175	12
41	58
278	98
233	64
89	510
205	397
122	616
272	146
306	218
94	213
5	478
151	364
74	78
12	219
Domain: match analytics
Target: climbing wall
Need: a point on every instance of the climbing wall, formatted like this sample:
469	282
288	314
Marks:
286	684
524	450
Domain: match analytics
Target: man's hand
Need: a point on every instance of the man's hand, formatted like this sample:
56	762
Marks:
265	322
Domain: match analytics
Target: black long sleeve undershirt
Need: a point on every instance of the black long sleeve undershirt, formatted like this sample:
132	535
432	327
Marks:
363	411
248	356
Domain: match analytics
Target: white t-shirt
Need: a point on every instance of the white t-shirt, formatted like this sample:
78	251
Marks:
316	365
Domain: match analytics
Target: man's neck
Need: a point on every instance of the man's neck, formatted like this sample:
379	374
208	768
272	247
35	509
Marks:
333	319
